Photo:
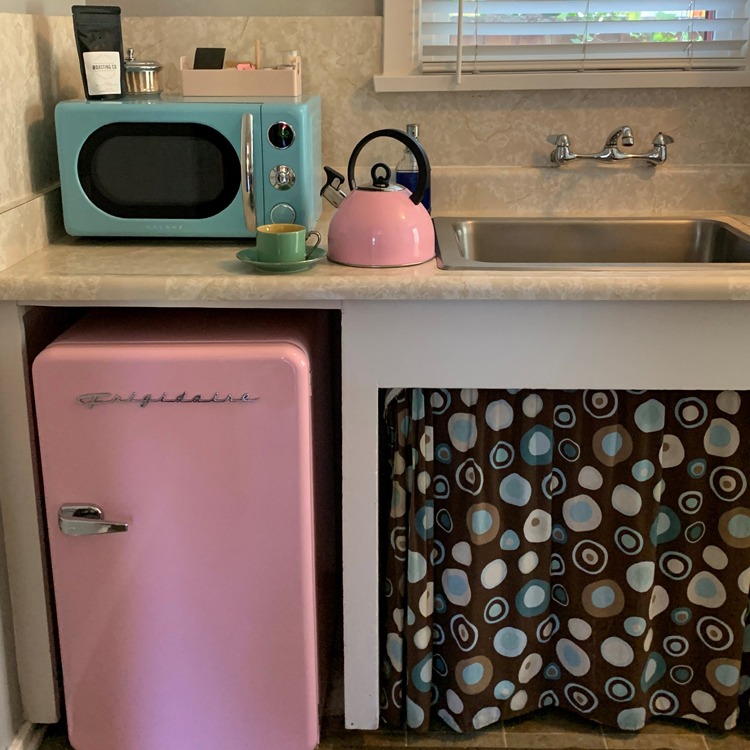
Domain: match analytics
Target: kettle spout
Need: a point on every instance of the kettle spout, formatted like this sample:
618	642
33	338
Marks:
332	191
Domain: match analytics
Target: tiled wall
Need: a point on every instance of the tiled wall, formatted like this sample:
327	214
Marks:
30	86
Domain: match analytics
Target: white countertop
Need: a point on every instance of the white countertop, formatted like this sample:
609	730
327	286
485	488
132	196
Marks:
182	272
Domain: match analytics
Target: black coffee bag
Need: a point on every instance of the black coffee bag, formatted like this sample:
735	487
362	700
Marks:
98	31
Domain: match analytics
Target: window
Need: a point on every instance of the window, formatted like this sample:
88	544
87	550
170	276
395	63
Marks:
520	44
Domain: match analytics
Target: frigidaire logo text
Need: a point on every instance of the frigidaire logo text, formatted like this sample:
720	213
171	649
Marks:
101	399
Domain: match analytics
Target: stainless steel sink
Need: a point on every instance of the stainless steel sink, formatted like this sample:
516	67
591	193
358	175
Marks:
487	244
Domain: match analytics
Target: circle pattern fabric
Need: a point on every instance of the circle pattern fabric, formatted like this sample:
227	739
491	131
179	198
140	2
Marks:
582	549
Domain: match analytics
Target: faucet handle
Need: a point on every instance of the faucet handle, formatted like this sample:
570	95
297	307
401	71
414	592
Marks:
662	140
558	140
562	153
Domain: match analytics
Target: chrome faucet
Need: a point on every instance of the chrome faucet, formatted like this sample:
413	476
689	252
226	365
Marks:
611	151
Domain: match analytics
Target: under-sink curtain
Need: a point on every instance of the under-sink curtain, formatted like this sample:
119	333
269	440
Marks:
582	549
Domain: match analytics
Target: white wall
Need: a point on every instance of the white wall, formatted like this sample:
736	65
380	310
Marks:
11	710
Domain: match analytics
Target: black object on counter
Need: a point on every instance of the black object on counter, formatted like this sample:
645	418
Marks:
209	58
98	31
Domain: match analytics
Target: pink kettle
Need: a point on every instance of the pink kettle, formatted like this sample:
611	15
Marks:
380	225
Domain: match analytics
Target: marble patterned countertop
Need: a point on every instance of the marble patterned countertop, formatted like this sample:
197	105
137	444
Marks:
202	272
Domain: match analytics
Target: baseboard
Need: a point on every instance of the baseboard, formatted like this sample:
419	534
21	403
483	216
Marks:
28	737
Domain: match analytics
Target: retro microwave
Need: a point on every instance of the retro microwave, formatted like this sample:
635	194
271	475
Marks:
179	167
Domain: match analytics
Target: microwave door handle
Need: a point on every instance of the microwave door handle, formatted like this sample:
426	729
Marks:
248	173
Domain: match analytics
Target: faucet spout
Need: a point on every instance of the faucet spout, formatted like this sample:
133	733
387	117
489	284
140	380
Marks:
623	132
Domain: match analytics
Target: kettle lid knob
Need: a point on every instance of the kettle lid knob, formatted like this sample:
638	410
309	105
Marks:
381	181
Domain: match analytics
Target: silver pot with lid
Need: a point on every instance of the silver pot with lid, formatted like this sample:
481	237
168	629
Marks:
142	77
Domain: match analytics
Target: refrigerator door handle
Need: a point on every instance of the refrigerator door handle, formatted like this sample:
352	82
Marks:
85	520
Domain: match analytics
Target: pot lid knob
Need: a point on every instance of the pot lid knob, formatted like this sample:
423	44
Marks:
381	181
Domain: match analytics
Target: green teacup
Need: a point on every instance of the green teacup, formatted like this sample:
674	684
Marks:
284	243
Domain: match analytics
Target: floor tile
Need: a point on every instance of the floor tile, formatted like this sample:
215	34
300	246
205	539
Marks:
739	739
347	738
55	738
490	738
655	742
662	734
552	741
553	729
55	743
728	742
384	738
338	739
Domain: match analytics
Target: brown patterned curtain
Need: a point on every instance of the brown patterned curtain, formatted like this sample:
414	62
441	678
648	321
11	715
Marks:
583	549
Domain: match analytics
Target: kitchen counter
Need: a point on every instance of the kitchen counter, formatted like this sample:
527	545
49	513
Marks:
203	272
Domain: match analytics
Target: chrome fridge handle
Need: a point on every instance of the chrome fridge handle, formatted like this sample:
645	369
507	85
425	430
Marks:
248	173
86	520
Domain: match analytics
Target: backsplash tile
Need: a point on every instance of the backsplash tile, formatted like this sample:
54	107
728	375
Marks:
31	83
615	190
25	153
30	227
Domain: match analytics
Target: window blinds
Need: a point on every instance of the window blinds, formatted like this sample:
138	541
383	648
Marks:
582	35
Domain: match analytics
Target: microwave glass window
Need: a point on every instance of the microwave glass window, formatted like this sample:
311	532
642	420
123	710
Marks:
159	170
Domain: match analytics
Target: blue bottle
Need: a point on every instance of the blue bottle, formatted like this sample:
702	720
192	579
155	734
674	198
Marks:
407	172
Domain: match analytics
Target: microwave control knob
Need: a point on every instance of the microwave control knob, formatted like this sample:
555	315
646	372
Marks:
281	135
283	213
282	177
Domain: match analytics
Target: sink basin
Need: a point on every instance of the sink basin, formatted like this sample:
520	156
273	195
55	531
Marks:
487	244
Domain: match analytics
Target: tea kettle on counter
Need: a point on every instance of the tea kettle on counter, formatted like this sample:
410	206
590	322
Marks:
380	225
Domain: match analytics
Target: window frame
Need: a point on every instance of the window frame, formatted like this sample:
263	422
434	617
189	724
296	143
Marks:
401	71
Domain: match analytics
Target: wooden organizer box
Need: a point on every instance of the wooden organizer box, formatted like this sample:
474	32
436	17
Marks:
232	82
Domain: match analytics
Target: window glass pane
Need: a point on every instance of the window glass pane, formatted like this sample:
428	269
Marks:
578	29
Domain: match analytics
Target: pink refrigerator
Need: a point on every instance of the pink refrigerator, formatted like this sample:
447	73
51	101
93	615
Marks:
176	457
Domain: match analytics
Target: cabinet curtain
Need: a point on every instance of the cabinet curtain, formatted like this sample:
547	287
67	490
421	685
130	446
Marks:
585	549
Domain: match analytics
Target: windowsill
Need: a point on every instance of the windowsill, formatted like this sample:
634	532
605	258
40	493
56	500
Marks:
562	81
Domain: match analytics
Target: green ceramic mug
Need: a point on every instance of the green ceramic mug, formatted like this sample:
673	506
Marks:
284	243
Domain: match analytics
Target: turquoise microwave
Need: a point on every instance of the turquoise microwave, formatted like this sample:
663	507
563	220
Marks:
179	167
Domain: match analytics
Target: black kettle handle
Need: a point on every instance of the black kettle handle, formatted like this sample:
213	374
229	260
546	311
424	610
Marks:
423	162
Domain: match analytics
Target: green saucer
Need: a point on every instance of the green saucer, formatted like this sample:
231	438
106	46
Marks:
249	255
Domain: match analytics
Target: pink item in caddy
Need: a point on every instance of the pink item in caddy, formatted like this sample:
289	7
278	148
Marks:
380	225
178	477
